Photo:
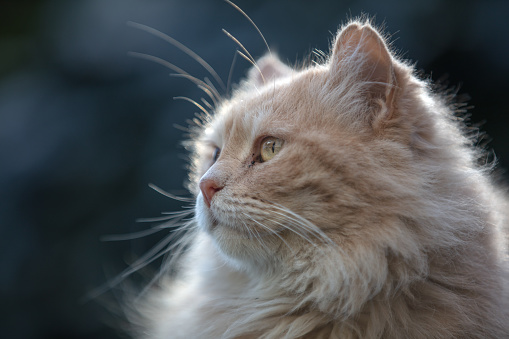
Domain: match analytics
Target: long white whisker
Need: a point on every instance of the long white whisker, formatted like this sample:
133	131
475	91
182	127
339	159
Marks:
253	64
202	116
169	195
129	236
252	231
211	85
187	209
183	129
246	56
240	45
260	240
180	46
271	231
287	227
153	254
195	121
166	217
303	226
211	96
172	220
179	247
206	103
306	224
194	103
210	91
230	74
251	21
159	61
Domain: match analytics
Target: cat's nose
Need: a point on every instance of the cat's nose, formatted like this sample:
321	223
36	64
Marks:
208	188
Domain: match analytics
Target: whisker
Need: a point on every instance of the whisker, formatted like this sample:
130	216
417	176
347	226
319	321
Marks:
196	122
249	56
172	219
179	247
296	222
271	231
240	44
153	254
303	223
180	46
256	235
206	103
260	240
156	252
211	91
287	227
158	60
214	97
129	236
169	195
202	116
180	212
184	207
252	63
194	103
252	234
230	74
251	21
165	218
182	128
173	223
214	89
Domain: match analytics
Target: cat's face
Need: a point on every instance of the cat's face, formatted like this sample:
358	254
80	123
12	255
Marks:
297	160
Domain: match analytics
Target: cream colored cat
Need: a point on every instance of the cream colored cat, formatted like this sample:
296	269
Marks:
342	200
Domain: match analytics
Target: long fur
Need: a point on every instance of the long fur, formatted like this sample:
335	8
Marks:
373	221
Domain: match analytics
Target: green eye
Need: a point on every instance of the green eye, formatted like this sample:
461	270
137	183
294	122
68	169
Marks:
270	147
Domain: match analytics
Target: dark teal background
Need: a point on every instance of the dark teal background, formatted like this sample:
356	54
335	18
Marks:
84	128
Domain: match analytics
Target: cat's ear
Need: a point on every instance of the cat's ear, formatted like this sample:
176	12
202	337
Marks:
359	49
268	68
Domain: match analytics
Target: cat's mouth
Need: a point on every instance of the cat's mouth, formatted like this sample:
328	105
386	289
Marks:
228	220
237	225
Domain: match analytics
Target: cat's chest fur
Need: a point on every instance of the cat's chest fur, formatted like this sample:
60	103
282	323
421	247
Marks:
215	294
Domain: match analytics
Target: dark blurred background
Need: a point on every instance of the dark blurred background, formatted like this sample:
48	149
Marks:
84	128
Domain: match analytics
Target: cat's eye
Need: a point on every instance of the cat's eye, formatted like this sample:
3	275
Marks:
215	155
270	147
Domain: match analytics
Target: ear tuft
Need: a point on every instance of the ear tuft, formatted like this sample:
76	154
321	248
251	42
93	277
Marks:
269	68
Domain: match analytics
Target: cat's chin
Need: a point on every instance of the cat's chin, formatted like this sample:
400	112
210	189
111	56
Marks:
241	250
236	244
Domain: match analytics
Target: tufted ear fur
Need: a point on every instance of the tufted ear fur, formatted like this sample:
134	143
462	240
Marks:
359	48
269	69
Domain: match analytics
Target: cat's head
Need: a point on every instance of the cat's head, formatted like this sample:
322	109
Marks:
323	160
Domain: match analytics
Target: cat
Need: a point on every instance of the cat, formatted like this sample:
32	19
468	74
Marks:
339	200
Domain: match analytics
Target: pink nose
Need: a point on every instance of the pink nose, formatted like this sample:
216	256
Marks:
208	188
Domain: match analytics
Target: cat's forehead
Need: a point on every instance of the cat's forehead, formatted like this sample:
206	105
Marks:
243	120
285	109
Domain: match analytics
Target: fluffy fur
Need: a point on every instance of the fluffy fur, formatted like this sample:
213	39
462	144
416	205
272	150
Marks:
373	221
